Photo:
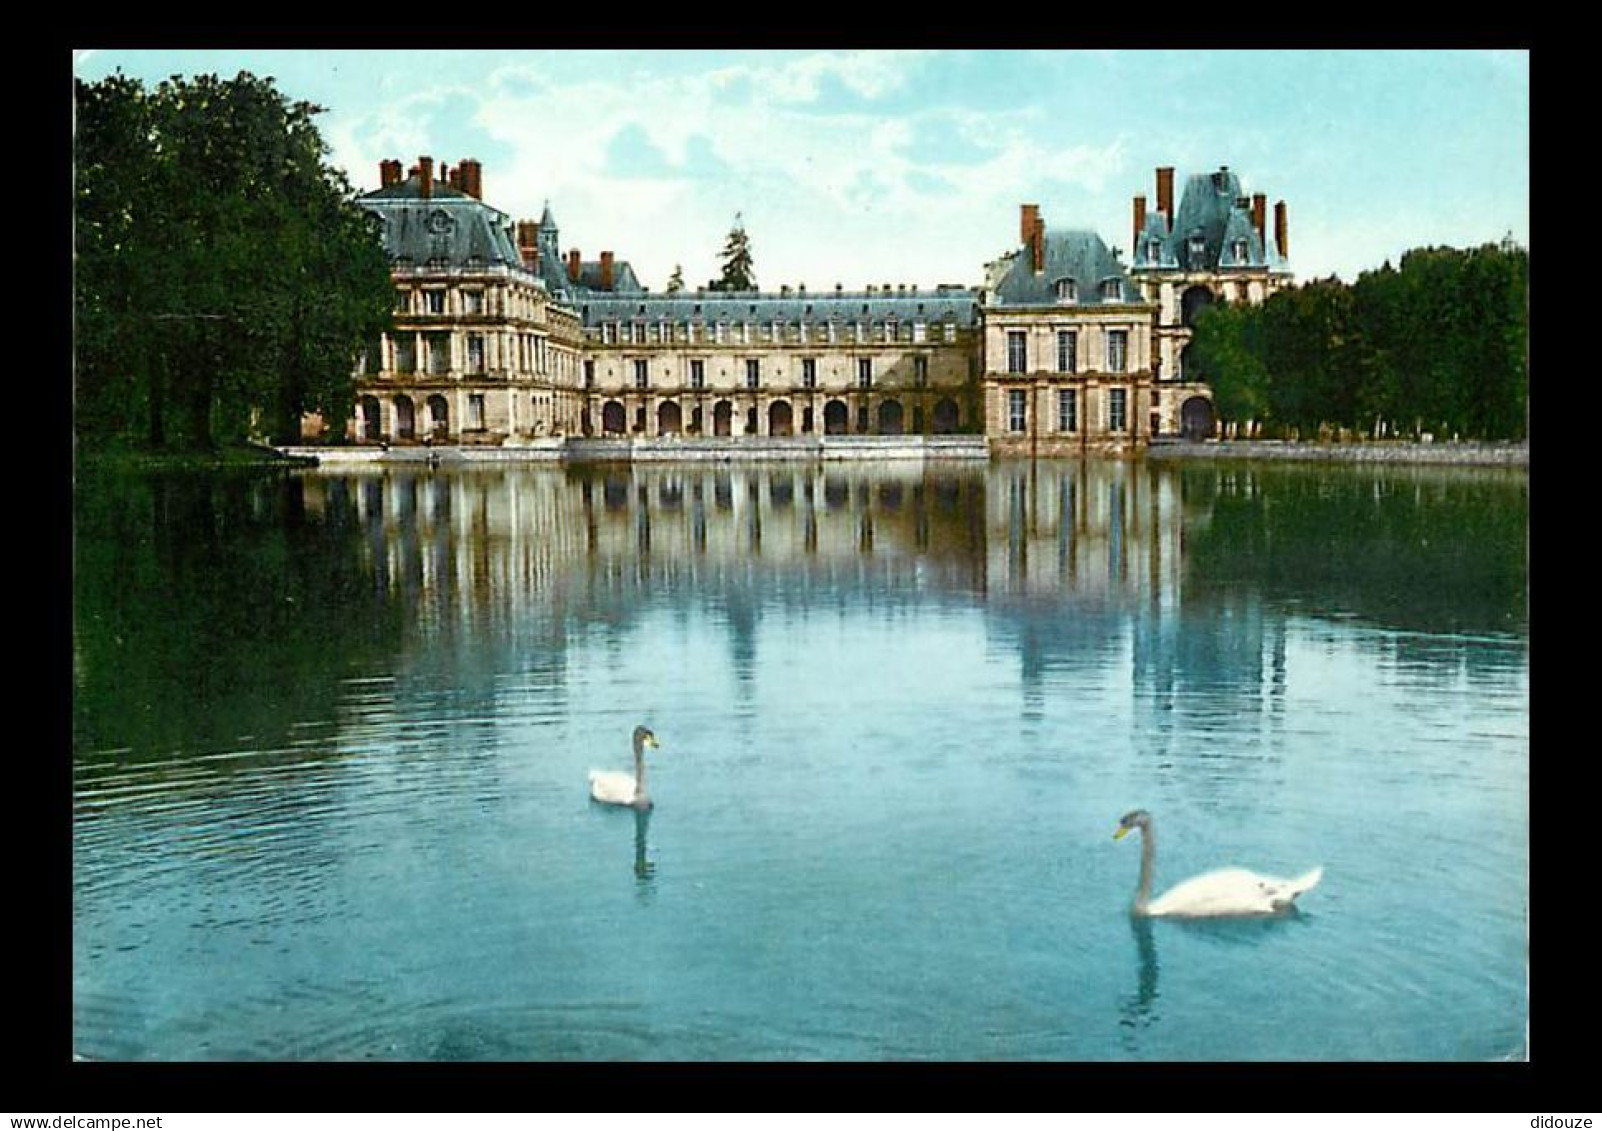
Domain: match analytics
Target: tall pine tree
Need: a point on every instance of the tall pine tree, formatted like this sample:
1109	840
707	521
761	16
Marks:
736	256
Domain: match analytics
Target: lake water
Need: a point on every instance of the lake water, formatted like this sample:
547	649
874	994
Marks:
332	729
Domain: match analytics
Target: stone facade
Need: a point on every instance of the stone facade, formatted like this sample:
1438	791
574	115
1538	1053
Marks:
501	338
1067	348
731	364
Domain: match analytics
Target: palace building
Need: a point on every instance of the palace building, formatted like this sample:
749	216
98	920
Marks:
1214	247
500	338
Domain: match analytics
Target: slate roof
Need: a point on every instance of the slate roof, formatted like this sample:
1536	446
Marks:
1210	218
1081	256
448	227
758	307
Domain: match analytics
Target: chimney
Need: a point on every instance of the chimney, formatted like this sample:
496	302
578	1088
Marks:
425	176
606	270
1140	219
528	243
1165	193
1027	215
573	262
1040	244
1260	218
1281	234
472	177
389	173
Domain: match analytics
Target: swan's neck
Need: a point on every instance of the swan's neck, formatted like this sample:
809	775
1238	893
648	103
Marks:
1148	855
639	774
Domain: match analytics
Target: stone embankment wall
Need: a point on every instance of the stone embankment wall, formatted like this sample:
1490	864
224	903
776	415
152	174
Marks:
665	450
1377	451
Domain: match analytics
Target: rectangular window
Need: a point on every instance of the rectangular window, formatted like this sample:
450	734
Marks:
1067	410
920	370
892	330
475	412
475	353
403	300
436	301
642	374
472	302
1117	410
589	374
1067	351
722	333
1117	351
809	372
609	333
920	332
439	353
1017	410
753	372
951	331
834	333
1017	352
864	372
406	353
697	374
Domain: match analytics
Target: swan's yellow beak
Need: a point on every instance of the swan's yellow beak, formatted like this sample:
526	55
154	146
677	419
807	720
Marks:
1119	835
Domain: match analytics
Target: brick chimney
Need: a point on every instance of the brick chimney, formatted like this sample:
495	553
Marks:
573	265
1260	218
389	173
1039	245
472	177
1027	215
425	176
606	270
1165	193
528	243
1281	233
1140	219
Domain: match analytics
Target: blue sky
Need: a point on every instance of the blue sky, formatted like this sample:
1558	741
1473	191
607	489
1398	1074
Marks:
860	167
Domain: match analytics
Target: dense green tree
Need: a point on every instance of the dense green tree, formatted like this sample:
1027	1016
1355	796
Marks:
1438	344
225	280
1229	337
738	273
675	282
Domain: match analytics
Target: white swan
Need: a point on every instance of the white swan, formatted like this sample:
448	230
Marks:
1231	892
615	787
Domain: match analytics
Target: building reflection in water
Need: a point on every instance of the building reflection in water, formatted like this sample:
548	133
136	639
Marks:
1057	554
1175	574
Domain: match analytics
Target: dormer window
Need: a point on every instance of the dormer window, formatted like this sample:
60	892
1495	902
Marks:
1112	290
1154	251
1241	251
1198	250
1067	290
